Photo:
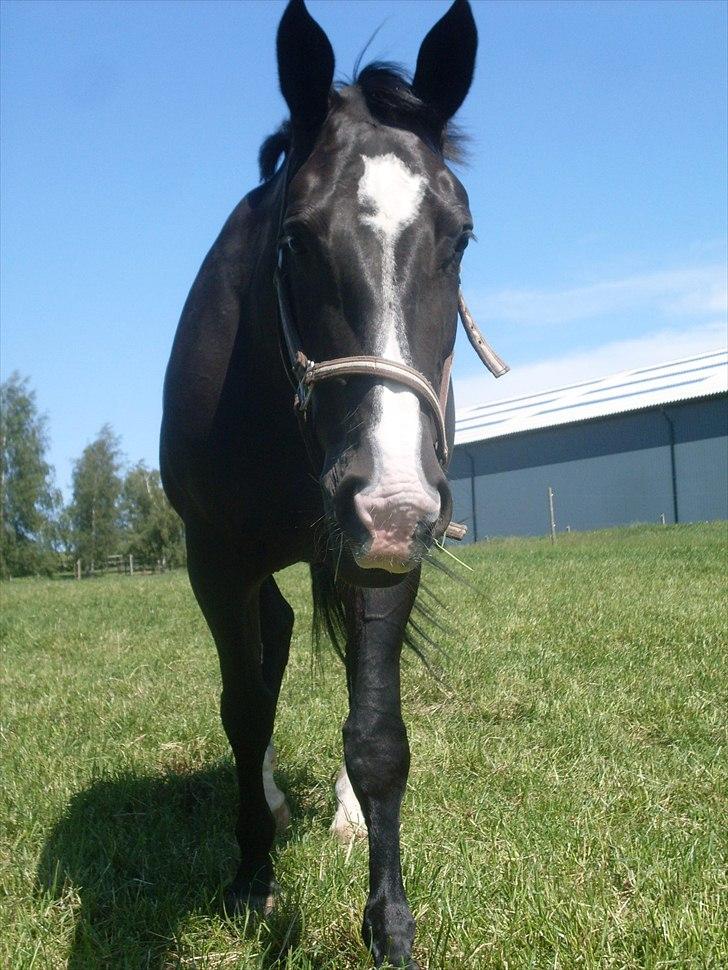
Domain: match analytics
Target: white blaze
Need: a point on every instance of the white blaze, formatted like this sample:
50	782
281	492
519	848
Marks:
389	195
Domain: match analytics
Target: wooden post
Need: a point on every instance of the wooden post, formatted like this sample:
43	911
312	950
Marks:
552	518
78	569
131	564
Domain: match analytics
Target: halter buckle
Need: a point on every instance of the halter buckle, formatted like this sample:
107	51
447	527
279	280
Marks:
304	368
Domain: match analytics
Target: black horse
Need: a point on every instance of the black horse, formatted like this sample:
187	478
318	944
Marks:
348	254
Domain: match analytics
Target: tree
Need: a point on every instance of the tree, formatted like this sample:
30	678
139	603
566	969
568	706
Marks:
96	491
153	530
28	500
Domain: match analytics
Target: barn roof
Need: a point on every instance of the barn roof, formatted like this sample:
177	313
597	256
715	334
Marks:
630	390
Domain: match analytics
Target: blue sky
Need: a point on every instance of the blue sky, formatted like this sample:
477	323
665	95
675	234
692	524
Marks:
130	130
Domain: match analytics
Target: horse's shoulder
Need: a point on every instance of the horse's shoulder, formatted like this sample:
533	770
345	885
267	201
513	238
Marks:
215	320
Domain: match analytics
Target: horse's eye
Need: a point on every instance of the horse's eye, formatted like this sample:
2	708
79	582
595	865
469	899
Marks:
291	244
462	244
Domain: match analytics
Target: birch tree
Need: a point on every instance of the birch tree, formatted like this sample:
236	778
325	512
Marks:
29	502
153	531
95	507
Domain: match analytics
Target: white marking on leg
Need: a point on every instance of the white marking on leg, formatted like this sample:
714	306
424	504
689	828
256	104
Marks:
273	795
400	496
349	819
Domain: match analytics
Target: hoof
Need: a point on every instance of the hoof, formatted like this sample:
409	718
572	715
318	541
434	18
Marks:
388	931
254	899
282	815
405	964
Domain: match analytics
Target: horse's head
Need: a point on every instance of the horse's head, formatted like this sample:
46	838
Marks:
372	230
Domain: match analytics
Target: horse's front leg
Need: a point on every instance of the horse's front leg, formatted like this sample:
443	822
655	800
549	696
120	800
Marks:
377	757
231	602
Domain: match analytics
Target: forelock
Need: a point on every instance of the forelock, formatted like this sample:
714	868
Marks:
387	92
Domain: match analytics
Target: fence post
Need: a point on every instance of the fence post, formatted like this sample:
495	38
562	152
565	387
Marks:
552	518
131	564
78	569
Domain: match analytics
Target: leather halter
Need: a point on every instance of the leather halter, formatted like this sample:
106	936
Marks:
307	373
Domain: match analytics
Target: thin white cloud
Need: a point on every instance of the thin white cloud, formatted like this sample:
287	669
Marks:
581	365
693	292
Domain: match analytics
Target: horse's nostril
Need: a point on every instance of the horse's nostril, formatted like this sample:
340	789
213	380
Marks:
345	507
443	519
346	490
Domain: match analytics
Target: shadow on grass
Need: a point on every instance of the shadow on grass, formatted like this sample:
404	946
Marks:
143	853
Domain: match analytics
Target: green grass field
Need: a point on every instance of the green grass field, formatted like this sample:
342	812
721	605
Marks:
567	800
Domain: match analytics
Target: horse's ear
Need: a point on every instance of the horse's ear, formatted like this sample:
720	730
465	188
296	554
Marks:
305	66
446	61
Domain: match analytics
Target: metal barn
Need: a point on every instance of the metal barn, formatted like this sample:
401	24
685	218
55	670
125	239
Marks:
633	447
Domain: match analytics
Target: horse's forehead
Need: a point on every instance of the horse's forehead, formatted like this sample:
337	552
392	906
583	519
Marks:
403	178
389	191
370	163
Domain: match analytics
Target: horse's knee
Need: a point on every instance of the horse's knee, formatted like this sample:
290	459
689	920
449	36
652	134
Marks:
276	620
276	613
286	616
247	721
377	754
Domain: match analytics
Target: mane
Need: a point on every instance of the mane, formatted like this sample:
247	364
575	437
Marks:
387	91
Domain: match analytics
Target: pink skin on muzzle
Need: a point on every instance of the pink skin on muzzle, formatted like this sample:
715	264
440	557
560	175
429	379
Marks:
390	516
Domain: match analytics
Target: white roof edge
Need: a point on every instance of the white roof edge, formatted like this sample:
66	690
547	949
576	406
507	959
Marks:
686	378
596	380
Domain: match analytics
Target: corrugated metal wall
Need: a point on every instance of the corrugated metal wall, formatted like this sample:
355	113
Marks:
611	471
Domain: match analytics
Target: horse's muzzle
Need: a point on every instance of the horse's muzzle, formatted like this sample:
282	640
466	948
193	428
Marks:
391	529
